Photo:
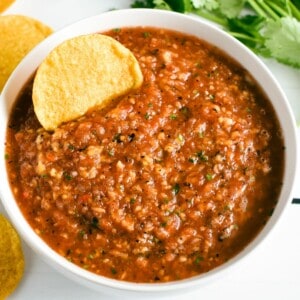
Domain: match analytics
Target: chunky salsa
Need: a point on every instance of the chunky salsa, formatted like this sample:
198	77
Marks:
168	182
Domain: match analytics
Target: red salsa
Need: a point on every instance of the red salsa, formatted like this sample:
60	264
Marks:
170	181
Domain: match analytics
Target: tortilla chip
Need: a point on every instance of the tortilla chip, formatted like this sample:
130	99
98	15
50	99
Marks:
82	73
11	258
4	4
18	35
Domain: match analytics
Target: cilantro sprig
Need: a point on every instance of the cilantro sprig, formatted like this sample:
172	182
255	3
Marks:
270	28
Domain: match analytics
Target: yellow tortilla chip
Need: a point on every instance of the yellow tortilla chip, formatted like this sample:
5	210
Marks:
82	73
18	35
4	4
11	258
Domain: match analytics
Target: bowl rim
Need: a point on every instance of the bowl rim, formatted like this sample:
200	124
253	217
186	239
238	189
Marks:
171	19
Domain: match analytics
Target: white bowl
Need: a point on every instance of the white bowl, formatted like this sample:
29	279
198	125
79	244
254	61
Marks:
155	18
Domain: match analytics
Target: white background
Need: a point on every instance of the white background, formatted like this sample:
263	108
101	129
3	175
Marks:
271	272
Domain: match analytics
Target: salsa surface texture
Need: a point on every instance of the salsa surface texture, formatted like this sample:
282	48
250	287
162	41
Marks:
170	181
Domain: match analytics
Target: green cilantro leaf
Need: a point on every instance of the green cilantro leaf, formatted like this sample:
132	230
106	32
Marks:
143	4
247	30
283	40
182	6
296	3
232	8
207	4
270	28
161	4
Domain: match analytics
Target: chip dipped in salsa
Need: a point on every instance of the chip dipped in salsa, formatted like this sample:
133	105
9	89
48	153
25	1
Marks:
168	181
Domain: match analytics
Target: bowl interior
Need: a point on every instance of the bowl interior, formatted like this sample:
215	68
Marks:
154	18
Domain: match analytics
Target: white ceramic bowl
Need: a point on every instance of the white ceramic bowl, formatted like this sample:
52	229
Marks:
179	22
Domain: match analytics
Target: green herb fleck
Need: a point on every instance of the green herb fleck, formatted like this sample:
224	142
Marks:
227	208
209	176
202	156
71	147
6	156
163	224
113	271
111	152
201	134
173	117
67	176
147	116
146	34
198	259
165	200
117	138
95	222
91	256
186	112
176	189
131	137
81	234
193	159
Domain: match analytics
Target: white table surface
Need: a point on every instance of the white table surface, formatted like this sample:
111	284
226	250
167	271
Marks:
271	272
